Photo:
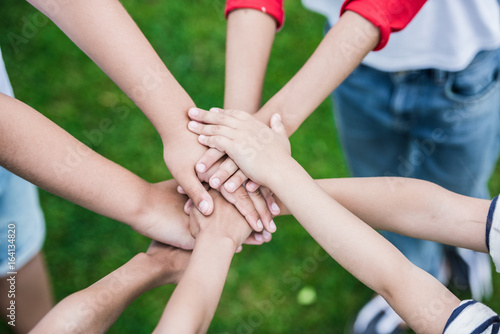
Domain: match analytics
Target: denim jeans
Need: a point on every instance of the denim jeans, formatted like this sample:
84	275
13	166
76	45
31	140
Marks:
434	125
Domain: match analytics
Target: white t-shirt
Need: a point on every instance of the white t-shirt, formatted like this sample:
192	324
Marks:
5	86
445	34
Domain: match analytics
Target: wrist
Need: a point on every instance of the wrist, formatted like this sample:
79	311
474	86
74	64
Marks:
146	272
219	238
279	172
278	105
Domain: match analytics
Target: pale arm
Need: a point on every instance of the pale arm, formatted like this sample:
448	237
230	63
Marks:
412	207
96	308
339	53
194	301
39	151
109	36
411	292
249	39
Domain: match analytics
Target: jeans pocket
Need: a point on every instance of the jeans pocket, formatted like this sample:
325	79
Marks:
477	82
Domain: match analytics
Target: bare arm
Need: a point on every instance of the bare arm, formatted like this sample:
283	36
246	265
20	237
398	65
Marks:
364	253
108	35
342	49
339	53
250	35
412	207
194	301
96	308
356	246
38	150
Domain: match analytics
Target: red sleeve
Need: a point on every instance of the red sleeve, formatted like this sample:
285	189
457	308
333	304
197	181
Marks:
271	7
387	15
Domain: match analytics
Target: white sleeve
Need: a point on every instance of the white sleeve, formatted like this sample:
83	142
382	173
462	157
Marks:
493	233
5	86
472	317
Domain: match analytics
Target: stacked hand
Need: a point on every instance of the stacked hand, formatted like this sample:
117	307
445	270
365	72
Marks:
257	149
219	172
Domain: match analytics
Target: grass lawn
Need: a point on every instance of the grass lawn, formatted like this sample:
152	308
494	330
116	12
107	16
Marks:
52	75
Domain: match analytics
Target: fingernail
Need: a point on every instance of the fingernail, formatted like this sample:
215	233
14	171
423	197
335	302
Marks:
273	226
214	109
203	206
193	125
258	237
259	224
201	167
267	235
215	182
251	187
193	111
230	186
275	207
202	138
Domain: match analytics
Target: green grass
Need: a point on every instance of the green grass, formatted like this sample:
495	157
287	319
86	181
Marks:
55	77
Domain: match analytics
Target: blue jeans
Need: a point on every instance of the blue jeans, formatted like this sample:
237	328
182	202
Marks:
439	126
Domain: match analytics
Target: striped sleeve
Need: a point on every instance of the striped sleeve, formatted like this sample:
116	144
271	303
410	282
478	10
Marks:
387	15
493	233
472	317
271	7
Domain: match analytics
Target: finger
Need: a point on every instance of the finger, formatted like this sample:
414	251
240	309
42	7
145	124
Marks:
187	206
210	157
197	193
211	130
205	177
180	190
251	186
261	206
221	143
270	200
267	236
236	180
222	117
245	206
277	125
225	171
255	238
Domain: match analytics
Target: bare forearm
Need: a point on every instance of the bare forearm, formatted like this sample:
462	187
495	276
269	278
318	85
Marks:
250	35
412	207
342	49
107	34
38	150
366	255
416	208
96	308
194	301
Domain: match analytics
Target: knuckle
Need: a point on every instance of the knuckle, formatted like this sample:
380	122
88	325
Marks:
221	117
215	129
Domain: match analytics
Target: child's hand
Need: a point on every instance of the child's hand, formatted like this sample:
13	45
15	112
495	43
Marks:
224	222
258	150
170	260
163	218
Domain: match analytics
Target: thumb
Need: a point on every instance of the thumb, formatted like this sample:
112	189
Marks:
197	193
277	125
